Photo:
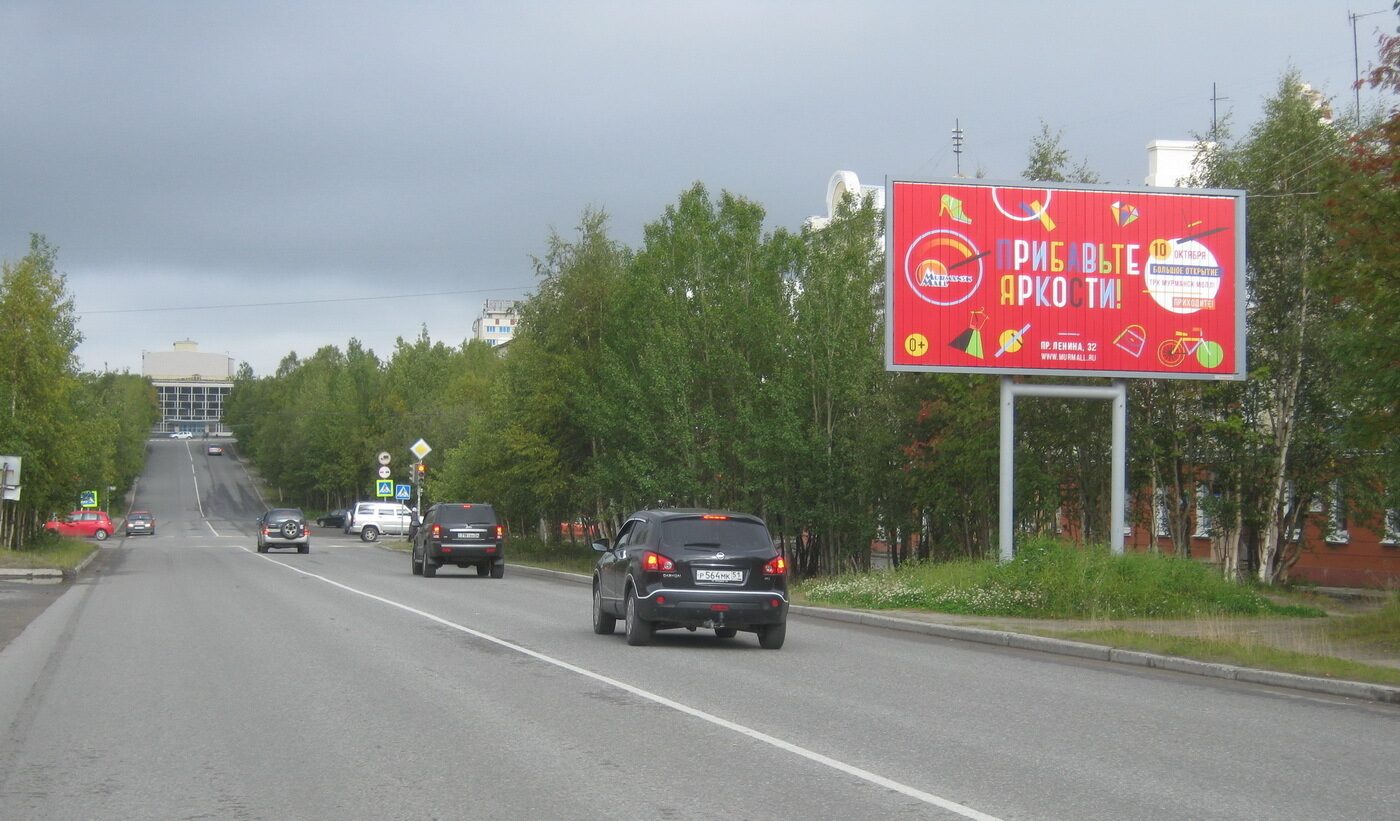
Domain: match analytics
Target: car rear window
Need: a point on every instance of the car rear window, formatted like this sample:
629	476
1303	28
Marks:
140	516
738	537
466	515
282	513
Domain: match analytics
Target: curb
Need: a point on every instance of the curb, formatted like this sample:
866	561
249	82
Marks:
1065	647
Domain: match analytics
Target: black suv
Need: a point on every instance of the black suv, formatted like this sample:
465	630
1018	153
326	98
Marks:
691	569
460	533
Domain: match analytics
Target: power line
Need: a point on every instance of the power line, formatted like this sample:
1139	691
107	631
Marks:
226	306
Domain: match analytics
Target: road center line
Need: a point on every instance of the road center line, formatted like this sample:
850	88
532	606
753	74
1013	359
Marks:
864	775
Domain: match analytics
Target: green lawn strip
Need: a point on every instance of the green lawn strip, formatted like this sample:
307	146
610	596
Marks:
63	554
1380	630
1257	656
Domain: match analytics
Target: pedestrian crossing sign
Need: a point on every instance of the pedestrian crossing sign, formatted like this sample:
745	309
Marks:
384	488
402	493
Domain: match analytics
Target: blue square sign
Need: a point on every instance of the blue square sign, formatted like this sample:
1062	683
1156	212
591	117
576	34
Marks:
384	488
403	493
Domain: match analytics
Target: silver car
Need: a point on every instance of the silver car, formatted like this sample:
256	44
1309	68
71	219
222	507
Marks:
283	527
373	519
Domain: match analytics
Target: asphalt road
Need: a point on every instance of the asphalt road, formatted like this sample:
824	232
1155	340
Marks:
189	677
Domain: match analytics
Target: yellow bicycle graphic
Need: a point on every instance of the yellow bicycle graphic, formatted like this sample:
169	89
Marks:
1172	352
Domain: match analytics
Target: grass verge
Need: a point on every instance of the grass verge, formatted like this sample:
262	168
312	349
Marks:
563	556
49	551
1242	654
1051	580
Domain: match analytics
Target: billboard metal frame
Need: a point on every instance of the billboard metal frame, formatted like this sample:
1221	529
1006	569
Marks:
894	257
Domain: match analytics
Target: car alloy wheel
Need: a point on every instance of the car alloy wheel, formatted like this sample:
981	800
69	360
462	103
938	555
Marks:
289	530
101	535
371	533
603	624
639	630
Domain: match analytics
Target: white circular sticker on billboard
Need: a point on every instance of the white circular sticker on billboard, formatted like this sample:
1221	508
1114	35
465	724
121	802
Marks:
1182	277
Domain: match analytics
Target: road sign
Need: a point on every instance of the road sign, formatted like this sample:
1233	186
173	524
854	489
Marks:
384	488
9	477
384	471
384	457
87	498
420	449
403	493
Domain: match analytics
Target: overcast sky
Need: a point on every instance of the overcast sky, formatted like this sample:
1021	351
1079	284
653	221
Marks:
215	170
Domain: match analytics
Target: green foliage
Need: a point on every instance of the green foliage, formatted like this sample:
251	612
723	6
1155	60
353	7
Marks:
1049	579
74	432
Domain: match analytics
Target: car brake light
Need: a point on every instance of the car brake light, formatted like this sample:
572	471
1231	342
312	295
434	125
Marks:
719	608
776	567
714	517
655	562
500	531
437	531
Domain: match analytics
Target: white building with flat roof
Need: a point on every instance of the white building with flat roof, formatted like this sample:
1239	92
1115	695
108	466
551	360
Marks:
498	321
191	386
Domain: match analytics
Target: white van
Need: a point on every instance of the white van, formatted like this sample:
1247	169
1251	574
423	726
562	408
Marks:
370	519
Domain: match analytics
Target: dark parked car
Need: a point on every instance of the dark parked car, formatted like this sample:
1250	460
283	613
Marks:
460	533
335	518
691	569
283	527
139	521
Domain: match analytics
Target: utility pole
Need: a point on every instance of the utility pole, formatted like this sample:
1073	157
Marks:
957	146
1214	98
1356	61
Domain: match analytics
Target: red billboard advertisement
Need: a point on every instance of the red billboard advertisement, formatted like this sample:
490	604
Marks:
1017	278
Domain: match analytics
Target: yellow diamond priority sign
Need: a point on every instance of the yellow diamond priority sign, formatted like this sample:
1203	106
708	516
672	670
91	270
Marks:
420	449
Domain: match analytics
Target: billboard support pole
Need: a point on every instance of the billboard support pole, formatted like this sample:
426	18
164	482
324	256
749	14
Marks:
1118	394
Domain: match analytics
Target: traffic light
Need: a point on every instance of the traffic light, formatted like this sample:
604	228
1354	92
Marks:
420	471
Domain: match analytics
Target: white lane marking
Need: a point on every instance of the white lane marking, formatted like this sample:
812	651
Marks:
212	530
864	775
196	481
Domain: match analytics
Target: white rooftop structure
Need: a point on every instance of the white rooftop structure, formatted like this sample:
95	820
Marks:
841	184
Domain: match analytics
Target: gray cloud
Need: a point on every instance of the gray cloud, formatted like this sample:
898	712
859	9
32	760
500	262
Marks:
214	153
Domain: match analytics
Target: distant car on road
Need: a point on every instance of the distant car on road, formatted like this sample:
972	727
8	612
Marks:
283	527
691	569
214	450
182	434
461	533
140	521
94	523
335	518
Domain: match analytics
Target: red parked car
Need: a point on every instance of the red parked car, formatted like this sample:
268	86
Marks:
94	523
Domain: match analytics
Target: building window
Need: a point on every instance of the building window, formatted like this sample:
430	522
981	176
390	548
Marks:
1392	527
1203	523
1337	516
1161	515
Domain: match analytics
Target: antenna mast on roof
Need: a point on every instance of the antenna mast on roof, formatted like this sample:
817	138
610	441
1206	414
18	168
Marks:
957	146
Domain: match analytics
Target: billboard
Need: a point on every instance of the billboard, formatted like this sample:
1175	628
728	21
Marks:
1023	278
